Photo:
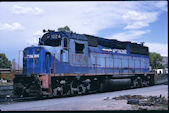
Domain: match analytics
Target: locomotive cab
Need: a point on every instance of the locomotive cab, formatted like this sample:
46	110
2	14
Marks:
55	51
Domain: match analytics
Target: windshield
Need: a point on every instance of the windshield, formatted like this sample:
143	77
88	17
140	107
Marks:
51	39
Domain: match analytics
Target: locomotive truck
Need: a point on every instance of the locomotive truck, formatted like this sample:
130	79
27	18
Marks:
67	63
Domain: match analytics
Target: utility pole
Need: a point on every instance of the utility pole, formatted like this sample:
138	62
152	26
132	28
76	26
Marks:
19	59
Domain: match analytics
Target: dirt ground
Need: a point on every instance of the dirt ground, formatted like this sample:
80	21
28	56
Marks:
139	102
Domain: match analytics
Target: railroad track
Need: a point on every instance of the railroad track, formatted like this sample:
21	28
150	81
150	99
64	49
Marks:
11	99
22	99
16	99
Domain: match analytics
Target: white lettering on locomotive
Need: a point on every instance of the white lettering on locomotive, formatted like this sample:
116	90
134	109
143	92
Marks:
121	51
33	56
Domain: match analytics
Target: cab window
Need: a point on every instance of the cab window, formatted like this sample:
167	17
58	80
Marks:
79	47
65	42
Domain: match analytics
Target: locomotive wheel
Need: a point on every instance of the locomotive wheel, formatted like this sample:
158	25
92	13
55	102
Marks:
58	91
74	91
146	83
82	89
140	82
19	90
73	88
68	92
55	92
135	83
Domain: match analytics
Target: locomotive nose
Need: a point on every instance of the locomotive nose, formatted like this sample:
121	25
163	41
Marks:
31	64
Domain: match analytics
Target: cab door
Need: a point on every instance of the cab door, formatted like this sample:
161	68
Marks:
64	55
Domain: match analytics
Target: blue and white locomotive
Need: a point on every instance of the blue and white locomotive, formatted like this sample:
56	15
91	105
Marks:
66	63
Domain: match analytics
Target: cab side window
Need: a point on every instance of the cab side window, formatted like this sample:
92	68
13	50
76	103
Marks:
79	48
65	42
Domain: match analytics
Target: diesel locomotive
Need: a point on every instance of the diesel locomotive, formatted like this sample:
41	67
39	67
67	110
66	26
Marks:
67	63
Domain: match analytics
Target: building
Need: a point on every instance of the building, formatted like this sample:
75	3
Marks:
162	71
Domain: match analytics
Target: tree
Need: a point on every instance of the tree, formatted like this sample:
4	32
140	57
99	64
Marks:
4	62
66	28
155	60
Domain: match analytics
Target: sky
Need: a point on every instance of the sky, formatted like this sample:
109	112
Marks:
21	23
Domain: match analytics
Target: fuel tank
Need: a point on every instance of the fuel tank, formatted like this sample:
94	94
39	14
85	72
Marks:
116	84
